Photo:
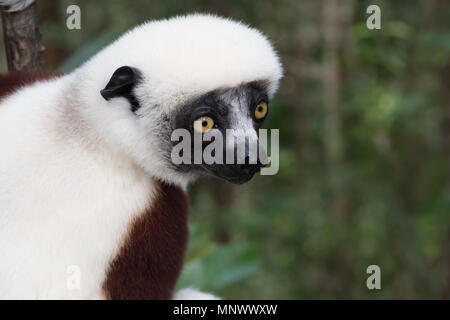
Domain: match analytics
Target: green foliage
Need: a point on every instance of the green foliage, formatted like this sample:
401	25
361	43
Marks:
211	267
85	52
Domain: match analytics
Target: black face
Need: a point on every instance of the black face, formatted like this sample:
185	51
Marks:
241	108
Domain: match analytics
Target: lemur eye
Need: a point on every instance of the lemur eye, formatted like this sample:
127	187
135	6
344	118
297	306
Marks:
261	110
203	124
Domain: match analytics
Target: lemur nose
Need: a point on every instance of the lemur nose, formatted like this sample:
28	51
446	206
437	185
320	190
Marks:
249	167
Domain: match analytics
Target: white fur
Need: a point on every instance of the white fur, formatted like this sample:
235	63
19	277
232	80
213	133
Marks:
75	168
64	199
192	294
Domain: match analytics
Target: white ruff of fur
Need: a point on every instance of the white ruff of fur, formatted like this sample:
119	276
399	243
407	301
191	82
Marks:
75	168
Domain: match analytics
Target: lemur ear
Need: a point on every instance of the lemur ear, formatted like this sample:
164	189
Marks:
121	84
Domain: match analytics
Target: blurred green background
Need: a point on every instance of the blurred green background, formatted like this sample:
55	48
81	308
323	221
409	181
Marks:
364	119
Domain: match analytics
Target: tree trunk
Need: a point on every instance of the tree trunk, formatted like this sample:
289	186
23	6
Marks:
22	39
335	16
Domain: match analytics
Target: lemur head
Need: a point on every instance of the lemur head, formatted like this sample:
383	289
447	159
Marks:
200	73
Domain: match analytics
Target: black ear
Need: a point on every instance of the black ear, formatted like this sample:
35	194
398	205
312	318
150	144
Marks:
122	84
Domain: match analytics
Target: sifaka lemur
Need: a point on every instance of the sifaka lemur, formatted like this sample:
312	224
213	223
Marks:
86	177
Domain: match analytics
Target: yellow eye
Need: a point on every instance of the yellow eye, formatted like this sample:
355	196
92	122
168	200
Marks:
261	110
203	124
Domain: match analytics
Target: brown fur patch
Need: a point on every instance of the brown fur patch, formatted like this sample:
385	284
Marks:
150	261
14	80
